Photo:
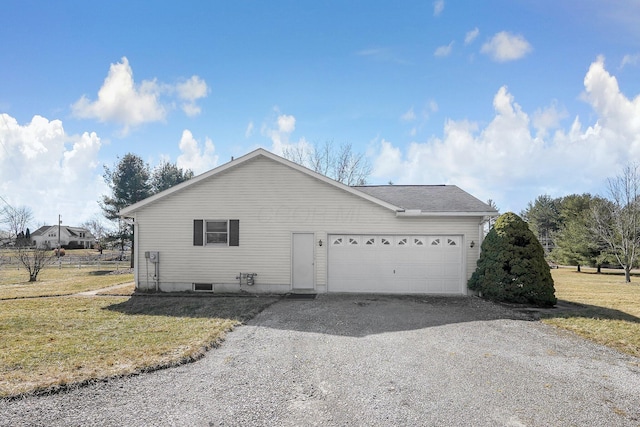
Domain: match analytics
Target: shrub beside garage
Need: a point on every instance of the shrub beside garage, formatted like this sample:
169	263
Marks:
512	266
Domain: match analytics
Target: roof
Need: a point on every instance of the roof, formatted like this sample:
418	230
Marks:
73	231
429	198
419	199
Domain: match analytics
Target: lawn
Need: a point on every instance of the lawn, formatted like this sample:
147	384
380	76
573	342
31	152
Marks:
14	282
52	342
611	307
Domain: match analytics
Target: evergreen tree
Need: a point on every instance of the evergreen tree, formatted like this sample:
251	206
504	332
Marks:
512	267
576	244
166	175
543	216
129	183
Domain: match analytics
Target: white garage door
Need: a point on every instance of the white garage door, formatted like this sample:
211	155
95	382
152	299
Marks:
395	264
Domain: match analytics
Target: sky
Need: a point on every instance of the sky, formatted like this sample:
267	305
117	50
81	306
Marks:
507	99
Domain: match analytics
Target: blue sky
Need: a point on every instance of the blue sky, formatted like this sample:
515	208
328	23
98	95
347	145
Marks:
506	99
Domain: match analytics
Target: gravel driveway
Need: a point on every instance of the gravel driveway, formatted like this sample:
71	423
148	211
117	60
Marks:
368	360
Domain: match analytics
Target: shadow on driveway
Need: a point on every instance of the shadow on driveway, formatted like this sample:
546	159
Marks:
362	315
354	315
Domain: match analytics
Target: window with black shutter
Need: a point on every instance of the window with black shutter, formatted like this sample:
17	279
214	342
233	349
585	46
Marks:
216	232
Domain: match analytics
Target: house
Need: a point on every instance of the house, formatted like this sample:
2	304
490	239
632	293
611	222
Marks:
70	237
261	223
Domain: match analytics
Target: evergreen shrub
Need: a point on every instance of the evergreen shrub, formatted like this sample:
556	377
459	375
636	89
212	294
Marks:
512	267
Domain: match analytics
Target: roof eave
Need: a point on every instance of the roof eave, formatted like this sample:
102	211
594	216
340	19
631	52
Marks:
410	214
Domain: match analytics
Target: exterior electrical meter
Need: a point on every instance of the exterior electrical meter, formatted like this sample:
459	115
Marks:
152	256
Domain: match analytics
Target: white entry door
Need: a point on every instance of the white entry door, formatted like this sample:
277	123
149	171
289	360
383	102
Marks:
303	266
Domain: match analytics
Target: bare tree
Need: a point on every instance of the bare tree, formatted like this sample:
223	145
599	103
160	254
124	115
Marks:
616	221
341	163
35	259
99	230
15	219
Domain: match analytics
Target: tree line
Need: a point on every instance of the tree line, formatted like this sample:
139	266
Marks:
581	229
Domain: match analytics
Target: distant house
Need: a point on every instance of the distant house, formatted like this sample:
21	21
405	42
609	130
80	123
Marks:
70	237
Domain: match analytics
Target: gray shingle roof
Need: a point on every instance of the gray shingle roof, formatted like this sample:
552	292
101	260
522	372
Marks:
428	198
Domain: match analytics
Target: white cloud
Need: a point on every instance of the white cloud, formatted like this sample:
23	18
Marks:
122	101
190	91
409	116
630	60
471	36
444	50
507	162
382	55
438	7
249	131
49	171
194	156
548	118
505	46
285	125
418	120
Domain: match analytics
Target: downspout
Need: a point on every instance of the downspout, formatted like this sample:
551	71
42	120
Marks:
136	265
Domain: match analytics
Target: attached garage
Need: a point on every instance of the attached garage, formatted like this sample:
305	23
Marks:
403	264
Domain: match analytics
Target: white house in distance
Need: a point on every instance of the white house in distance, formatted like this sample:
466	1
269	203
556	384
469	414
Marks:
261	223
72	237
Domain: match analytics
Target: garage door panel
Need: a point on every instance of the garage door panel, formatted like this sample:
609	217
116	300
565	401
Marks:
395	264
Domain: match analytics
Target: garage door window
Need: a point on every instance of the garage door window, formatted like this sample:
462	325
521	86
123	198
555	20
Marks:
353	241
370	241
337	241
384	241
418	241
452	242
435	242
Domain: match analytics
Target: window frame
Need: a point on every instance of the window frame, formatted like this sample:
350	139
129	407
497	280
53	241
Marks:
232	232
207	233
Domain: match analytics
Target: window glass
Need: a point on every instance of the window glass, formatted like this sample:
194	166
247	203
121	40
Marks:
216	232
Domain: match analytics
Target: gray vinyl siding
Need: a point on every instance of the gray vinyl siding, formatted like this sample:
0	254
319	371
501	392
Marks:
271	201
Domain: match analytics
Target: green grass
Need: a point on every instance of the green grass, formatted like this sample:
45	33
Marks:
611	307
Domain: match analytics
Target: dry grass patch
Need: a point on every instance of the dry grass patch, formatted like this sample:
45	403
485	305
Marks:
611	307
50	343
128	289
57	281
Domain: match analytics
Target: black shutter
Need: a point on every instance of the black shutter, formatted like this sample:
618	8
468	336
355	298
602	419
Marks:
198	224
234	232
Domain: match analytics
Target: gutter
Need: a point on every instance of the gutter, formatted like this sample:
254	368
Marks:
413	213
